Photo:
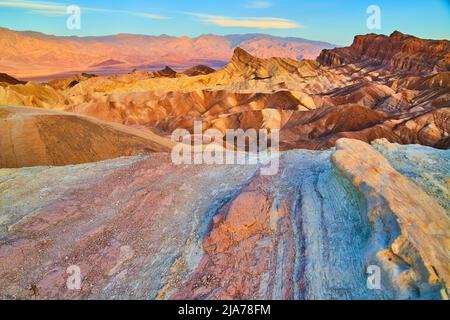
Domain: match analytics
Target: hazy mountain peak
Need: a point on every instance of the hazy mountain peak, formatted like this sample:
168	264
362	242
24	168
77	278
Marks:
31	54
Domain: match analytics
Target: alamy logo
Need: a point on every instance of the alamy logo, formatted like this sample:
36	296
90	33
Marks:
74	20
374	278
249	147
74	279
374	20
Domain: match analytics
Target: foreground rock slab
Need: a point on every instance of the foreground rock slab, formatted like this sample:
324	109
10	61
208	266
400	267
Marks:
141	227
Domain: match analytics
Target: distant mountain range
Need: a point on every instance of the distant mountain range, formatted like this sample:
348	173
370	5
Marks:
27	54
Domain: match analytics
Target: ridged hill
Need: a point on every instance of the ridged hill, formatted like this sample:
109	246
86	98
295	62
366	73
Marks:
397	51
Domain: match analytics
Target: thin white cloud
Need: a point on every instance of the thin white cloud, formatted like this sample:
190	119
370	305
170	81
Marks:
36	6
247	22
55	9
131	13
58	9
258	23
258	5
50	13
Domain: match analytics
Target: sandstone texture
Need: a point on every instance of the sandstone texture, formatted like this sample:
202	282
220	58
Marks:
33	137
398	51
141	227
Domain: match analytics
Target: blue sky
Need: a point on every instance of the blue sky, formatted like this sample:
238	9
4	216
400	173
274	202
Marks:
329	20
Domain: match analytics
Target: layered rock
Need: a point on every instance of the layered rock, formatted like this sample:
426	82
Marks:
144	228
398	51
250	67
67	83
198	70
7	79
33	137
31	94
409	225
167	72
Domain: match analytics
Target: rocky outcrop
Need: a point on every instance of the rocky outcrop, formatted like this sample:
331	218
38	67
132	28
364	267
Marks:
67	83
31	94
397	52
410	227
5	78
314	129
167	72
33	137
250	67
319	129
143	228
198	70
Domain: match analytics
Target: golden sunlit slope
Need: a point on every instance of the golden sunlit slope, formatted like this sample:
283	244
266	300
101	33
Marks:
31	137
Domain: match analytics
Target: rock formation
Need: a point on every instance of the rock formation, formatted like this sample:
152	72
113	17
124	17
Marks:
198	70
398	51
7	79
33	137
141	227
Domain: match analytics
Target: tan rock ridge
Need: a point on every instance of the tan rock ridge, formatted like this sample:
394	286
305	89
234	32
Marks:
395	202
398	51
4	78
33	137
250	67
198	70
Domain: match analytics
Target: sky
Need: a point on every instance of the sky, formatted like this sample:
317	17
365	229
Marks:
333	21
